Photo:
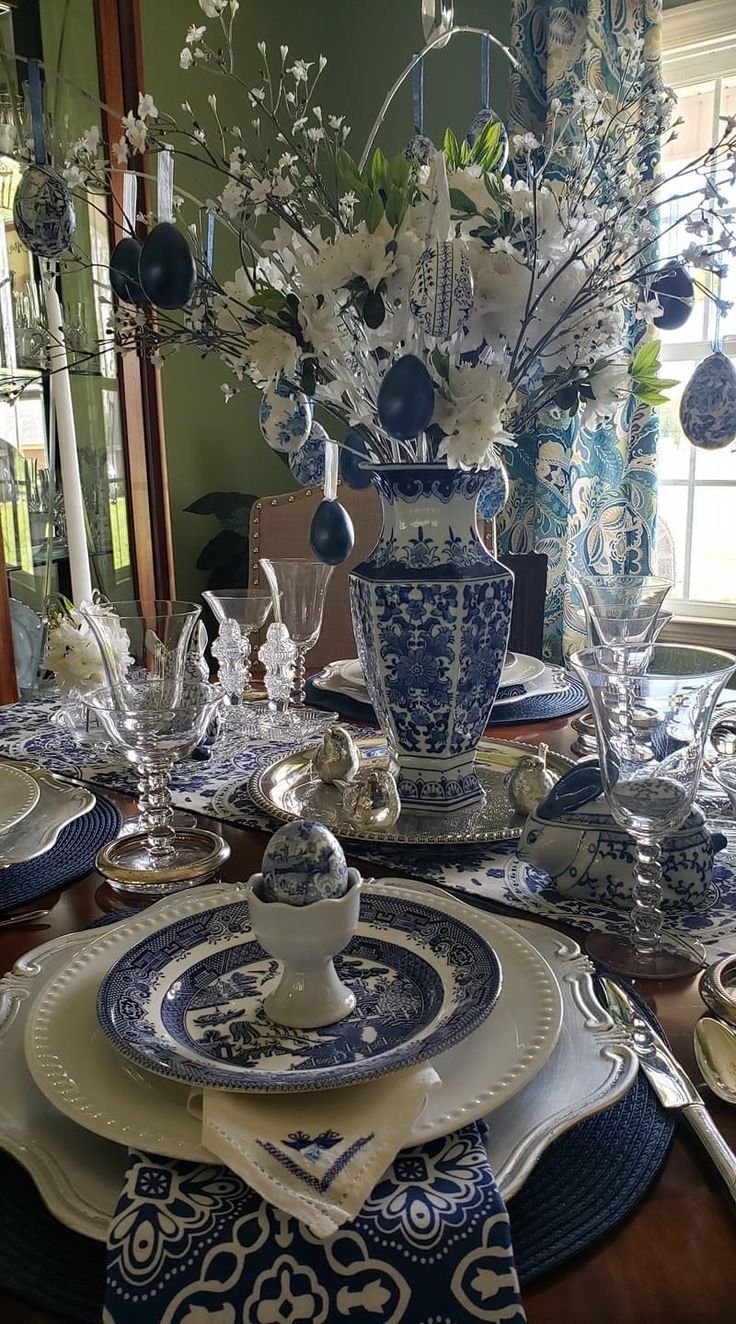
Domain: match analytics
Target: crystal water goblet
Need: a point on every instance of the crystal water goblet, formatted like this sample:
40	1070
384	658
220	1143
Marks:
153	636
153	734
299	590
650	784
249	608
622	610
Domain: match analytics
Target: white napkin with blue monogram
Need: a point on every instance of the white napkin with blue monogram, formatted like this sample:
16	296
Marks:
316	1155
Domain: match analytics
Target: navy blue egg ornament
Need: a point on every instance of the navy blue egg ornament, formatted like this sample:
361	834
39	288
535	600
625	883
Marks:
43	212
406	398
124	277
353	456
307	464
331	533
168	273
675	293
285	417
708	404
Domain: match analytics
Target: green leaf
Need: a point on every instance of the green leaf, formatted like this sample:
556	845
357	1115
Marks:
451	150
379	169
374	212
349	170
395	207
645	359
487	147
399	170
440	361
461	202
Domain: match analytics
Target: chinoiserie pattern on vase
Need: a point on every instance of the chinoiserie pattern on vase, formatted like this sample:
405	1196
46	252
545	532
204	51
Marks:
431	613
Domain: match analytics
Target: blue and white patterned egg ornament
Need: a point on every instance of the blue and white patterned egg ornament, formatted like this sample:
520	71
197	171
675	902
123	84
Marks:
406	398
675	293
285	417
353	457
302	863
331	533
307	464
420	149
481	122
441	293
708	405
43	212
494	493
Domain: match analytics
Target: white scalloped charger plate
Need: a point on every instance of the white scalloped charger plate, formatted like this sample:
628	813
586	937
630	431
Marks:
79	1071
79	1176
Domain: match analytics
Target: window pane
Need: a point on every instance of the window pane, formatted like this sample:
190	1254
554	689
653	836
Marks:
673	448
713	570
672	534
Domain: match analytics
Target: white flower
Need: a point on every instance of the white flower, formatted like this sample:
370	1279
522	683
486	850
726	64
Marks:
269	353
610	387
120	151
186	59
135	132
72	652
147	109
473	417
233	199
233	305
300	70
227	392
195	34
212	8
524	143
257	94
315	134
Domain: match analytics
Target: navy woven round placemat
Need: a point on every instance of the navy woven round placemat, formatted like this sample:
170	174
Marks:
585	1184
71	857
535	708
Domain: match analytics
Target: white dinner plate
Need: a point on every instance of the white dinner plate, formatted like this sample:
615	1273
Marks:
346	675
19	794
79	1175
79	1071
522	670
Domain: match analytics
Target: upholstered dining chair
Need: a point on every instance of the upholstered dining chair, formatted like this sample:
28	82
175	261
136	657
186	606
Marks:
279	527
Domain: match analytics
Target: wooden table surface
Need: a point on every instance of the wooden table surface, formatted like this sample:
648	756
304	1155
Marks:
673	1261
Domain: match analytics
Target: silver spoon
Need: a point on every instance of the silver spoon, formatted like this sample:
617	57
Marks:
715	1053
22	917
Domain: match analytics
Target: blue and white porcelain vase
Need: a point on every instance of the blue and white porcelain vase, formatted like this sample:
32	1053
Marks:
431	613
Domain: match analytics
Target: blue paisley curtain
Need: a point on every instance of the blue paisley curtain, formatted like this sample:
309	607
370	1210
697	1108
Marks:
585	496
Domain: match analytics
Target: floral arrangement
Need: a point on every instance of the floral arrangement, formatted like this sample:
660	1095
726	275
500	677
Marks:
72	652
438	301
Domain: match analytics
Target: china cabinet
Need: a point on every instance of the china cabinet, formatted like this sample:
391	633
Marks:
90	54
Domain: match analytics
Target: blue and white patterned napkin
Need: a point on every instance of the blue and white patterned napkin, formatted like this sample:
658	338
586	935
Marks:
192	1244
316	1155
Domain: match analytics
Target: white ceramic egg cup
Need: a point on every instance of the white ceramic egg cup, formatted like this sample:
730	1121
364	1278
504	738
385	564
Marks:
305	939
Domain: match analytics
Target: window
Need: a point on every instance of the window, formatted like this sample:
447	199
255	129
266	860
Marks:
697	489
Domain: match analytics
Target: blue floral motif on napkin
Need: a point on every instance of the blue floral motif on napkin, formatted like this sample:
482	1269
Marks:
192	1244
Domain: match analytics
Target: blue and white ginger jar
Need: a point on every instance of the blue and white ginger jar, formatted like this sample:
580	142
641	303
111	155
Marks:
431	614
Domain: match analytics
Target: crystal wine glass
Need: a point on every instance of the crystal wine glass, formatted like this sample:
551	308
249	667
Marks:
249	608
154	734
650	785
622	610
299	589
157	635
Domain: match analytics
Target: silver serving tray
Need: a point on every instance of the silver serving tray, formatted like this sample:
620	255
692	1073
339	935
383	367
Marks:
59	804
290	788
80	1175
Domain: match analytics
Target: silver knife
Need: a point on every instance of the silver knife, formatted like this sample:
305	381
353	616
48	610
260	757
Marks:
670	1082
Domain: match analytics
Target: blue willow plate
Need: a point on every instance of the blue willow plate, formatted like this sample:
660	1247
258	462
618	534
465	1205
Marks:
186	1002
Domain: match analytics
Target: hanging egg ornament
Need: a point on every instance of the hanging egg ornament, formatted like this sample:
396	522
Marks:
406	398
708	404
441	293
124	277
494	493
478	124
285	417
675	293
531	781
331	533
168	273
307	464
43	212
419	149
353	457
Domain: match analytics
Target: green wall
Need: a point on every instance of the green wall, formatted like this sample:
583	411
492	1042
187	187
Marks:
212	445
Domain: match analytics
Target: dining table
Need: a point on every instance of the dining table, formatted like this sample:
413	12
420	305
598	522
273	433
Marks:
671	1261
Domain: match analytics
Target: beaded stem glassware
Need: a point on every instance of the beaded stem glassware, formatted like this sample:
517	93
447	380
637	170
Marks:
153	734
250	609
299	590
650	784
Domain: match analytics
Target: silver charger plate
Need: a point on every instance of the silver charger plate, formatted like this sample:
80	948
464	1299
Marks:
79	1175
289	788
19	795
59	803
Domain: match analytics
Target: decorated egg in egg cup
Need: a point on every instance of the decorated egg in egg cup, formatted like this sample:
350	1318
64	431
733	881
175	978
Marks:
304	908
